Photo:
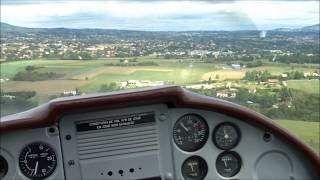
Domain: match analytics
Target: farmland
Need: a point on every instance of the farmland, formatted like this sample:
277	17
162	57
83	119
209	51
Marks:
88	76
307	131
96	73
311	86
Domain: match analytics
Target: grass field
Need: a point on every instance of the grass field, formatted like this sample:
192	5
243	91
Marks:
307	131
308	86
96	73
89	75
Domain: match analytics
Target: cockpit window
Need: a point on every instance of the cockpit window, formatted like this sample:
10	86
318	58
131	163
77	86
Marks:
260	54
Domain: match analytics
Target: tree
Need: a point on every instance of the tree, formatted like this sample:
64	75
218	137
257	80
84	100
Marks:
109	87
285	94
210	80
242	95
30	68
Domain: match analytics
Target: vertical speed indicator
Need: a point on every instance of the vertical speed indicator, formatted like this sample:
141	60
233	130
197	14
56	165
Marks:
190	132
226	136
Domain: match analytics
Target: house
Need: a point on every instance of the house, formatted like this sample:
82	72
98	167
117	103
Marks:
141	83
8	96
273	82
235	66
4	79
308	74
201	86
73	93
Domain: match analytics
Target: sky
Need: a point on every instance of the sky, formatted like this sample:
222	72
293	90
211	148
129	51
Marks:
161	15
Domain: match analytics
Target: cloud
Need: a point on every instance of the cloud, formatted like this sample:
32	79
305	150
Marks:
161	15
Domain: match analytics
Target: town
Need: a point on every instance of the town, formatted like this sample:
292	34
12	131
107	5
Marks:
236	61
24	44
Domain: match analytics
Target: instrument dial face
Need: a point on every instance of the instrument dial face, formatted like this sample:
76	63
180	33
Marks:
190	132
228	164
226	136
37	161
194	168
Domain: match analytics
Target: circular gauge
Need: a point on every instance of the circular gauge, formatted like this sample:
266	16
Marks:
37	161
228	164
190	132
3	167
194	168
226	136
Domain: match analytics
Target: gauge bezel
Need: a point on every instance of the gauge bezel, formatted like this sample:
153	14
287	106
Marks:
206	137
230	124
6	167
236	155
47	175
205	172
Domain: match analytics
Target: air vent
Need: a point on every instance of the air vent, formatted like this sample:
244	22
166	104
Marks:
118	142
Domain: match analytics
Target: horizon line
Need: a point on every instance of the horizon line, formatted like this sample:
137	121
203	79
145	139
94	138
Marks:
152	30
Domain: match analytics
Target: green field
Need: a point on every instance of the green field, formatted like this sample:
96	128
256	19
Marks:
308	86
307	131
89	75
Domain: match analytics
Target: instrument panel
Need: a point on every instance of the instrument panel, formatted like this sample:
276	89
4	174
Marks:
31	154
150	142
155	143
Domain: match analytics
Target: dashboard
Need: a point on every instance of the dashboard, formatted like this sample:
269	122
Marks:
162	133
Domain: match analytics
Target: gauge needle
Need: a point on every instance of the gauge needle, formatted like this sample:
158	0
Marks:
191	166
225	134
184	127
36	168
225	162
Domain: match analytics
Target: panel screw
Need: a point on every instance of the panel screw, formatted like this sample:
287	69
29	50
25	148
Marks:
52	130
121	172
162	117
68	137
71	163
168	176
267	136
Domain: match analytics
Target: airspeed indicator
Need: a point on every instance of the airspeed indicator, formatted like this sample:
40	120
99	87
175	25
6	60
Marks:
190	132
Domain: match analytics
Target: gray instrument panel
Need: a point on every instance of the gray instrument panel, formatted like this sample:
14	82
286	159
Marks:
105	144
13	143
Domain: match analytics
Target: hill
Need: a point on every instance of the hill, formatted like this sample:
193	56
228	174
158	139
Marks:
313	28
11	28
5	28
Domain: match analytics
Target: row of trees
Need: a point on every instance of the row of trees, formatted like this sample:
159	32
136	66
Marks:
262	76
284	103
30	74
299	58
144	63
14	102
255	75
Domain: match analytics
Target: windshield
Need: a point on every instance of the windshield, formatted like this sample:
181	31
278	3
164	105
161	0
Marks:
260	54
